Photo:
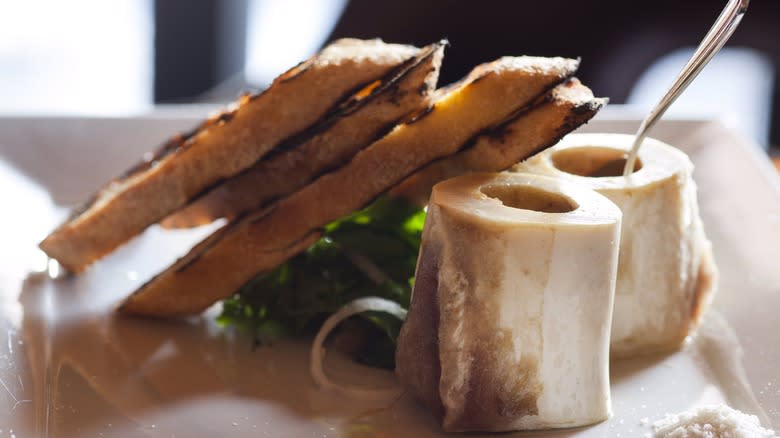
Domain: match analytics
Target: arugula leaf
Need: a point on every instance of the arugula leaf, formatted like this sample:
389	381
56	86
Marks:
372	252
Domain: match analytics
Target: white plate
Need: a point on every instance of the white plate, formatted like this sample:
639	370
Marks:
69	367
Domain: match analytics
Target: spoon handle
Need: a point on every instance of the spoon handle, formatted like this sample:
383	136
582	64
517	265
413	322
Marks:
715	39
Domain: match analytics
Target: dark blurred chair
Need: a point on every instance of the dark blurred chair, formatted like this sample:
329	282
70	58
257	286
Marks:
197	45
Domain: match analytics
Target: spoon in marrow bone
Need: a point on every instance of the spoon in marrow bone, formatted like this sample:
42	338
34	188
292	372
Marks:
721	31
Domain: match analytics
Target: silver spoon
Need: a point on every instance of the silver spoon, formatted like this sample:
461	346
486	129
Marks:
715	39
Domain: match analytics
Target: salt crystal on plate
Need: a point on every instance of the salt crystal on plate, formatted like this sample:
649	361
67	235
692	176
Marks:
718	421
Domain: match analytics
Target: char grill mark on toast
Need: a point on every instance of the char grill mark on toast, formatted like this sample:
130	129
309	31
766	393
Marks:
420	114
502	129
181	140
182	263
194	254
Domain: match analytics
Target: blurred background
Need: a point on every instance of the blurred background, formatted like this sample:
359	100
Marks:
121	57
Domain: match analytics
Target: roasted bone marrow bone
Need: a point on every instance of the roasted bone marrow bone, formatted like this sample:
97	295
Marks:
666	273
509	322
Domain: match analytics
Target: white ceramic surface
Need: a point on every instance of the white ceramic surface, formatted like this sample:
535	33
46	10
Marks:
70	368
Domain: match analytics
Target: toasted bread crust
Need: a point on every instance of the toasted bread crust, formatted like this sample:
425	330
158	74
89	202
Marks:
526	133
334	142
486	97
220	148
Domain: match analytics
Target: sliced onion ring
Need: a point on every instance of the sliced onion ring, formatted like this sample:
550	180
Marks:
359	305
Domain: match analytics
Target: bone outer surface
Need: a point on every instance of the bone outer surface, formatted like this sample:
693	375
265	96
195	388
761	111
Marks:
508	327
666	273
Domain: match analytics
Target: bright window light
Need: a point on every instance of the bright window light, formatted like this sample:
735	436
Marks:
76	56
281	34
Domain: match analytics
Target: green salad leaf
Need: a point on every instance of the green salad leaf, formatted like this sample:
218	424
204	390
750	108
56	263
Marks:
372	252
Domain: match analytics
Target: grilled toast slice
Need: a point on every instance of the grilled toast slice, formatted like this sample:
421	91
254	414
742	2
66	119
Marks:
331	143
525	133
219	148
262	239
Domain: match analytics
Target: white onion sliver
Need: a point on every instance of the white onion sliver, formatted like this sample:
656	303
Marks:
359	305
